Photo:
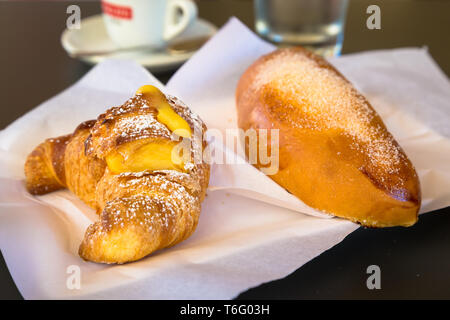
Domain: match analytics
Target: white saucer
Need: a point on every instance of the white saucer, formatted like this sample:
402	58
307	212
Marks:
92	36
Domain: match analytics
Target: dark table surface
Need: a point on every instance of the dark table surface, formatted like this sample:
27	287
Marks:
414	262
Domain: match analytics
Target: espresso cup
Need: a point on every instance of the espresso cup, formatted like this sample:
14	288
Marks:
132	23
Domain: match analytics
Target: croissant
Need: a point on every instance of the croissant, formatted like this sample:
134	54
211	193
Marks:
127	167
335	153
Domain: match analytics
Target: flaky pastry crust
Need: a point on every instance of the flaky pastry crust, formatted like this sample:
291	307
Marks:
139	212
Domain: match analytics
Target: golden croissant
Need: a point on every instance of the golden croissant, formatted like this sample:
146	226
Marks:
127	167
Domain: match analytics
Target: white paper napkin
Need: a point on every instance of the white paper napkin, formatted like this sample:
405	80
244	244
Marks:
241	240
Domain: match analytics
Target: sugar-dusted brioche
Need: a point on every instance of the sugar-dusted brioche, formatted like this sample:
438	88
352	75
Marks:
336	154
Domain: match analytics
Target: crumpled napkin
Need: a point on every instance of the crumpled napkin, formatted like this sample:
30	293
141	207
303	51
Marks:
251	230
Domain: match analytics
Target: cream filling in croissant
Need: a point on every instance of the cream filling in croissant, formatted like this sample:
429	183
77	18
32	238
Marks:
148	154
139	155
166	115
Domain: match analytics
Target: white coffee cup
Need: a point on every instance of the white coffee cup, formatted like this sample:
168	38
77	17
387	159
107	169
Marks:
133	23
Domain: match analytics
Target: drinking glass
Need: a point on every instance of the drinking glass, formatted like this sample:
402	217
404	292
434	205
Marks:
314	24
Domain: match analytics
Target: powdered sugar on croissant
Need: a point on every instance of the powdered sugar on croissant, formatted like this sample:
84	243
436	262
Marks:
122	165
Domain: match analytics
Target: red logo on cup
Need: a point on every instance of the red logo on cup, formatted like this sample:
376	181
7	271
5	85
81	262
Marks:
117	11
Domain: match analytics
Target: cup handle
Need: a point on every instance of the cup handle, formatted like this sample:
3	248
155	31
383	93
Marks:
189	14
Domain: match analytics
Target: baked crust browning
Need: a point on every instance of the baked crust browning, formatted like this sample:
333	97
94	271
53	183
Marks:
335	153
139	212
44	167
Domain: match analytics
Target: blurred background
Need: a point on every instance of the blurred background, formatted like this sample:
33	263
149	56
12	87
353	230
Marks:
30	34
35	66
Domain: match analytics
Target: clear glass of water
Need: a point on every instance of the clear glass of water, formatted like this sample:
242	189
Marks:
315	24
